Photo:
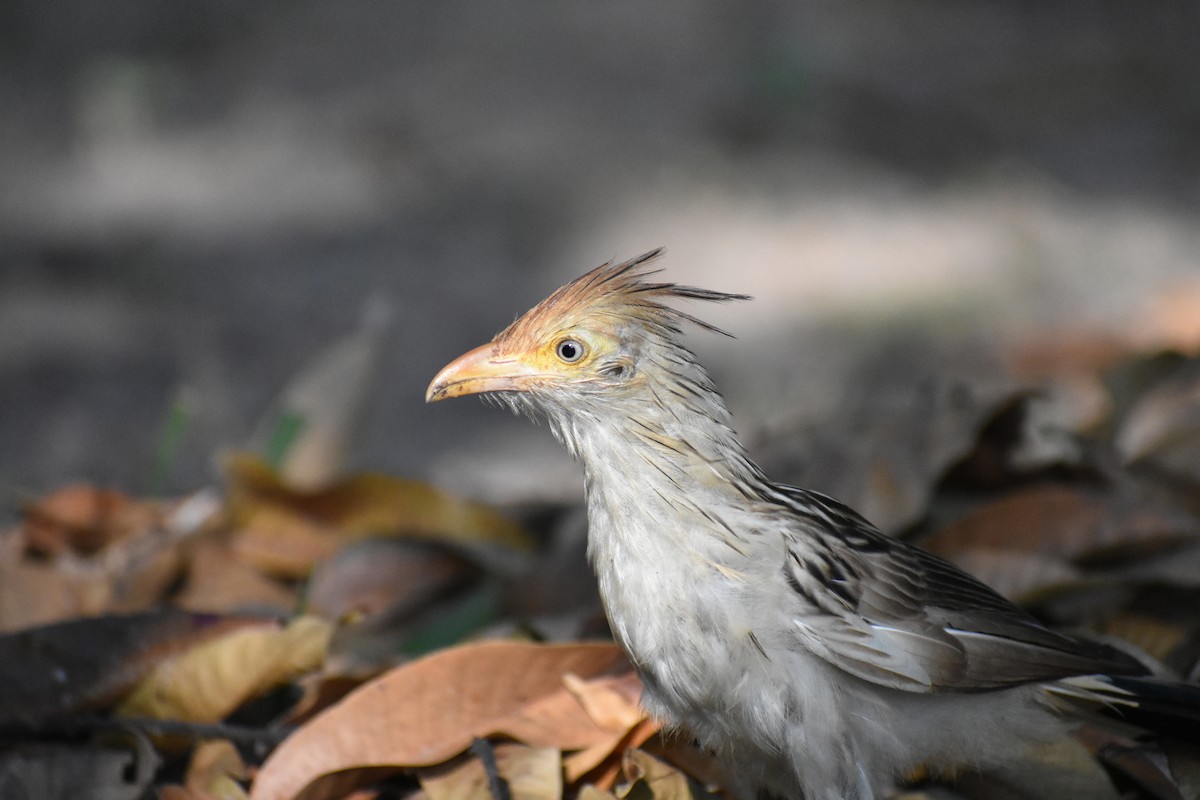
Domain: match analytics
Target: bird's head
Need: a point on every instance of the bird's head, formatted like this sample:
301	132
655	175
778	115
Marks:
605	333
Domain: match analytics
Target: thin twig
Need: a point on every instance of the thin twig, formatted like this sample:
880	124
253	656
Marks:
497	786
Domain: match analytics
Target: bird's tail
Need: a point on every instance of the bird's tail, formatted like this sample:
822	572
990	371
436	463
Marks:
1164	707
1155	705
1145	731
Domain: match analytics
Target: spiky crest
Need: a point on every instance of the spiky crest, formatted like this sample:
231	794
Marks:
618	291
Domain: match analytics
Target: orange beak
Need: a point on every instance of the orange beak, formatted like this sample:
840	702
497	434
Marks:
481	370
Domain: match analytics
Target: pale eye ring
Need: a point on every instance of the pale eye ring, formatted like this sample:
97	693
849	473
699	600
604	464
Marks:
569	350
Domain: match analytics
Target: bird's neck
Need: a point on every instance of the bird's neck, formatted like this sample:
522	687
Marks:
662	441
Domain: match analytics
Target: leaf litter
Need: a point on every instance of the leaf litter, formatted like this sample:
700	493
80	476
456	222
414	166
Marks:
299	633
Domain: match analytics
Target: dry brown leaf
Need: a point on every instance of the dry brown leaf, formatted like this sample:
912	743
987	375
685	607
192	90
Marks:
131	575
1155	636
391	576
662	780
1183	759
1174	320
84	520
369	504
34	593
897	432
425	712
279	542
1163	425
319	691
1163	621
612	702
1048	354
1074	524
133	571
591	792
686	755
600	764
1141	763
219	582
212	679
532	773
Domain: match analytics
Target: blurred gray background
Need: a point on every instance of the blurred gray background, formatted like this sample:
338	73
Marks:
196	198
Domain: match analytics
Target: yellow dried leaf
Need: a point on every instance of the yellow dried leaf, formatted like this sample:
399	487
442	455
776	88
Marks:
590	792
209	681
663	781
215	769
369	504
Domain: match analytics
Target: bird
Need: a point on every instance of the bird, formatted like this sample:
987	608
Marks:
815	656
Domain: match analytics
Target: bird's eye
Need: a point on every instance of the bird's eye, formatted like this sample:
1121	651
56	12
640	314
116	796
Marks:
569	350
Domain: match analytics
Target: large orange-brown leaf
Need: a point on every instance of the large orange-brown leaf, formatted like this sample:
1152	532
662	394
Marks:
425	712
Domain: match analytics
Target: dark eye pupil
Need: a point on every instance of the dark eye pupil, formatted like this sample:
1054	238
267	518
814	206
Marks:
568	350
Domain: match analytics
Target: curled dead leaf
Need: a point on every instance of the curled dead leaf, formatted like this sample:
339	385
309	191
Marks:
84	519
658	779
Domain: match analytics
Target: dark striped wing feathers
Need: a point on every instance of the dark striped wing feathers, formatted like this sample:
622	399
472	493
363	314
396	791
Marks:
898	616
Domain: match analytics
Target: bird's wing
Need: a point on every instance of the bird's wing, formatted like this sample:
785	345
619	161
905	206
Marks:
898	616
